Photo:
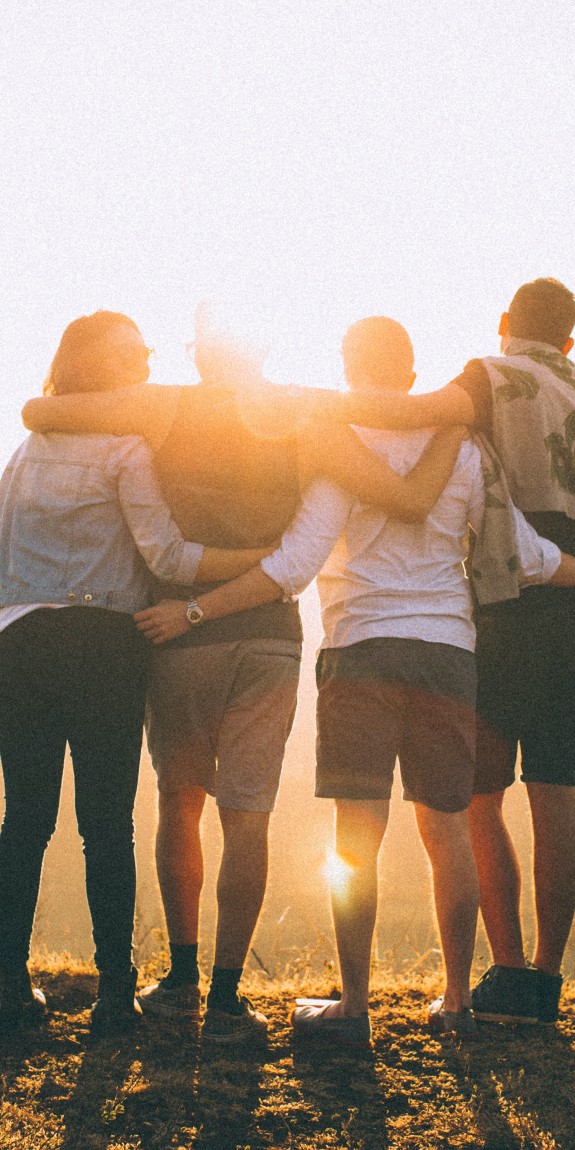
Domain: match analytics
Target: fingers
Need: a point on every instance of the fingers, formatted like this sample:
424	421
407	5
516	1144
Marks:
165	621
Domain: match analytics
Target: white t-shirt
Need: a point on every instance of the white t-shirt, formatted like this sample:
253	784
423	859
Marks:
384	577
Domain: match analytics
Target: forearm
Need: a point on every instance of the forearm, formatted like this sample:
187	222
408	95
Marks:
249	590
427	479
564	576
340	455
219	563
167	620
394	411
145	409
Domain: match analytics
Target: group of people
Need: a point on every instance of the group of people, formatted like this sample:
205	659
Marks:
173	528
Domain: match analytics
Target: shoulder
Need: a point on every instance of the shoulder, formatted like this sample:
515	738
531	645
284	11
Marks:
126	449
474	380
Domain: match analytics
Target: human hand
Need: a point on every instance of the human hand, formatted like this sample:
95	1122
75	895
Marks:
165	621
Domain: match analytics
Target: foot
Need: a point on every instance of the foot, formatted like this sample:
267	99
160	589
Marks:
225	1028
169	999
21	1004
549	995
326	1023
115	1011
508	994
459	1022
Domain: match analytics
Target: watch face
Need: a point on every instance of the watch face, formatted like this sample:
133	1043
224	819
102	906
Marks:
194	614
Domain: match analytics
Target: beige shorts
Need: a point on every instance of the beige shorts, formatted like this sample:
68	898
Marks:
219	717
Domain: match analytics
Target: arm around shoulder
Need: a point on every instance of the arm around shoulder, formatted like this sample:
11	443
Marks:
145	409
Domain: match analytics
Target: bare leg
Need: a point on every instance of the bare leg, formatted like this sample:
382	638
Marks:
553	815
499	879
241	883
180	862
360	827
456	892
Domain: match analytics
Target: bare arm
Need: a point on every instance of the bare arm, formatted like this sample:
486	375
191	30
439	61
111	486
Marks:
145	409
397	412
301	553
338	453
221	563
167	619
565	573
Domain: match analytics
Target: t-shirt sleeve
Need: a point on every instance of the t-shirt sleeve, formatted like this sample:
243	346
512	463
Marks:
475	381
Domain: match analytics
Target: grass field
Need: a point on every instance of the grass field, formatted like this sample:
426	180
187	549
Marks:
510	1089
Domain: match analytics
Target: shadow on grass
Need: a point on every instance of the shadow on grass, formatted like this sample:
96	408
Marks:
162	1088
346	1091
519	1081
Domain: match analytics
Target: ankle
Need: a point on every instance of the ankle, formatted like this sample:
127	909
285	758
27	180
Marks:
223	992
456	1000
183	964
546	967
513	959
353	1005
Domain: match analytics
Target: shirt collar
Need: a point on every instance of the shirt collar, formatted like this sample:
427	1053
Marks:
524	346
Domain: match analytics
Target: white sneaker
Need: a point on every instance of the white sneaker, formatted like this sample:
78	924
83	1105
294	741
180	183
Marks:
165	1000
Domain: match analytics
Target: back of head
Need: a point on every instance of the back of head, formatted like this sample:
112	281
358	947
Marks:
377	352
81	362
543	310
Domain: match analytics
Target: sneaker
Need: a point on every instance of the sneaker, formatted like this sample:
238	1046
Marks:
21	1004
508	994
167	999
33	1001
115	1010
549	995
312	1022
459	1022
226	1029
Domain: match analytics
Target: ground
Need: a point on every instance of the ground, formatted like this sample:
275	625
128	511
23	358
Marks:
510	1089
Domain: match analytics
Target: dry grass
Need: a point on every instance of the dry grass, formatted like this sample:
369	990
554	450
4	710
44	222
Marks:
513	1089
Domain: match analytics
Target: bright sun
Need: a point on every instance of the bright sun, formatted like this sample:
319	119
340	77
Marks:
338	873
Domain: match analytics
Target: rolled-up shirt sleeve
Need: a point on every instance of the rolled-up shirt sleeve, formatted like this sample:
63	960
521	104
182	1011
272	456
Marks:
538	557
310	538
155	533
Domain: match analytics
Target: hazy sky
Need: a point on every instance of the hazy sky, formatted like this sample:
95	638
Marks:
300	162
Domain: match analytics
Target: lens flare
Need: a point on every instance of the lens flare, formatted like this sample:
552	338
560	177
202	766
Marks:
338	873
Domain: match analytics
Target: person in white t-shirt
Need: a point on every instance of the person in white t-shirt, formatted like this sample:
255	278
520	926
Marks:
396	676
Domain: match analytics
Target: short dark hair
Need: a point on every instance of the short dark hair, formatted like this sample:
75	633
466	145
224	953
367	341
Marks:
377	349
543	310
75	366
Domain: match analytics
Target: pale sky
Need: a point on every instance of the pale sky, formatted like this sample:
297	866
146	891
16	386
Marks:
299	163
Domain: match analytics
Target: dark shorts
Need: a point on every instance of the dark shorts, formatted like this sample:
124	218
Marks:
526	691
384	698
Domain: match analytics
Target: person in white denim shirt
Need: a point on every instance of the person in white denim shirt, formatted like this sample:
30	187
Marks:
82	525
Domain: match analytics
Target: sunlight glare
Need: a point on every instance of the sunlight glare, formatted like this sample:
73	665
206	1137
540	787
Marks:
338	873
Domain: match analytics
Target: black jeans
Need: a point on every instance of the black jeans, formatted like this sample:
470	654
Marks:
75	675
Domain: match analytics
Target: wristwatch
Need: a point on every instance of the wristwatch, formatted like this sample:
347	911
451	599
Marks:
194	613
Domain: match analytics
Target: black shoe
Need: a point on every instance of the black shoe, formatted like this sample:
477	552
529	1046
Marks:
508	994
21	1004
115	1010
549	995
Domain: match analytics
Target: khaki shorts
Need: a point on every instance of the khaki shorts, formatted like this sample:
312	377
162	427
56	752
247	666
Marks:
219	717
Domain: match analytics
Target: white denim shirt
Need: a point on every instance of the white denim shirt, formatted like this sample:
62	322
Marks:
384	577
83	522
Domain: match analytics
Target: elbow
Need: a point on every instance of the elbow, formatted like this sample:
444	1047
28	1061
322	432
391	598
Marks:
30	423
415	511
